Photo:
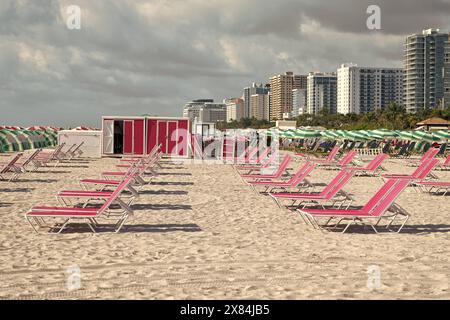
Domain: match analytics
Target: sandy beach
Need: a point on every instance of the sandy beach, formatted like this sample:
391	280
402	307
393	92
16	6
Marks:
199	233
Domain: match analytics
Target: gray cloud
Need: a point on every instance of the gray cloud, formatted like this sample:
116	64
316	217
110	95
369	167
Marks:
135	57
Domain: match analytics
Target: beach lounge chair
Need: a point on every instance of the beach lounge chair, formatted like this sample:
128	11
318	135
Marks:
259	162
342	162
44	158
277	173
22	166
328	159
431	153
331	193
10	167
294	182
422	172
445	165
38	215
433	187
376	209
372	168
74	152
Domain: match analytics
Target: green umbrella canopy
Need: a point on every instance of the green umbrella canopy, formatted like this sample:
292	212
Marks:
424	136
10	141
330	134
357	136
442	134
384	133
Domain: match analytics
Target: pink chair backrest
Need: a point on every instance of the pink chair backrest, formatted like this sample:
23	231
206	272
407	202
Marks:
333	153
337	184
424	169
300	172
377	197
447	162
295	182
11	163
377	161
283	165
389	198
262	155
270	160
429	165
31	157
431	153
347	158
120	188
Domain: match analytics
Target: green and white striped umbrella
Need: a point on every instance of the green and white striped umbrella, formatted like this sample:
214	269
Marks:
356	136
384	133
330	134
442	134
405	135
424	136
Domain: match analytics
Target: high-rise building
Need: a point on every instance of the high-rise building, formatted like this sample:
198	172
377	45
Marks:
322	92
300	82
235	109
281	87
427	70
205	110
248	92
361	89
259	104
299	102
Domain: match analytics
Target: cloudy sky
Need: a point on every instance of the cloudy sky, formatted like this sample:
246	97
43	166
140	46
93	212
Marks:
133	56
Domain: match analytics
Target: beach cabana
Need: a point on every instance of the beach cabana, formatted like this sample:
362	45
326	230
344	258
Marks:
123	135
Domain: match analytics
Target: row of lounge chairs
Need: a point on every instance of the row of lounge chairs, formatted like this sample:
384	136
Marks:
330	207
107	198
20	164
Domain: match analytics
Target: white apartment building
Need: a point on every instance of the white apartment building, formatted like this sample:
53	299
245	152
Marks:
322	91
235	109
259	106
205	110
367	89
299	102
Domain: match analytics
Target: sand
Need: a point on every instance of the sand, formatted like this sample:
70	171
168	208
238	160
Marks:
199	233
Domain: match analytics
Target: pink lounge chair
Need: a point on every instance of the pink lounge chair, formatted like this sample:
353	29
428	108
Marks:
445	165
375	209
294	182
422	172
372	168
259	163
37	215
277	174
331	193
10	167
328	159
342	162
44	158
22	166
433	187
430	154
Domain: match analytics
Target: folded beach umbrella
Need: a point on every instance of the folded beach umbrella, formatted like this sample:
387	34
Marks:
384	133
424	136
404	135
307	134
330	134
355	136
442	134
10	141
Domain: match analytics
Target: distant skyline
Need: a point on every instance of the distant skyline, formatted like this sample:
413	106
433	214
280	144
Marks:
151	57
